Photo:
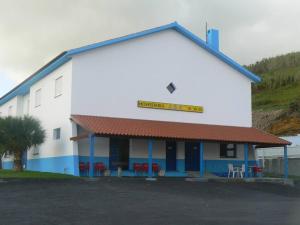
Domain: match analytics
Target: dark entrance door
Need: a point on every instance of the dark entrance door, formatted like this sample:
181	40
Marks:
119	153
171	150
192	156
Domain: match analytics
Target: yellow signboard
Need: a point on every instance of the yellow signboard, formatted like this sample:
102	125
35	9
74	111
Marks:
170	106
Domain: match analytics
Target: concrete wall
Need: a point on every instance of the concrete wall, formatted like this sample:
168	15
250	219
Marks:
110	80
276	166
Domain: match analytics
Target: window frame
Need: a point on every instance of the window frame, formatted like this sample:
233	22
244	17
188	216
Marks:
36	150
40	97
10	110
7	154
55	86
224	149
55	135
172	88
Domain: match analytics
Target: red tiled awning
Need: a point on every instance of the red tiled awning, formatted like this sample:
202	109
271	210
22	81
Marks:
108	126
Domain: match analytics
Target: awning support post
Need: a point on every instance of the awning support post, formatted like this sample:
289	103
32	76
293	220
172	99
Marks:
201	159
286	165
150	146
91	161
246	148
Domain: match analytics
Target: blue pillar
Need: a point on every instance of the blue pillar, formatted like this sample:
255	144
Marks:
150	146
201	159
246	147
91	161
286	165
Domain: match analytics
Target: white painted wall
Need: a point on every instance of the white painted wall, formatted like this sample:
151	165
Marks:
19	106
54	112
180	150
108	82
101	147
138	148
5	107
212	152
25	106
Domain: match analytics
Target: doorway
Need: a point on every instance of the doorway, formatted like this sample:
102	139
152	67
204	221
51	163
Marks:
192	156
119	153
171	151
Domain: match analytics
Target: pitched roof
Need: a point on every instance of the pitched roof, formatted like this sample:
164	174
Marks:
64	57
107	126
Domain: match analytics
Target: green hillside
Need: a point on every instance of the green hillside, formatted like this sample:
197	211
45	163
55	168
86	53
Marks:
278	94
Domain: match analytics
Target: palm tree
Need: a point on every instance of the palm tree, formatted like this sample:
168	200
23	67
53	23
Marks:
18	134
2	151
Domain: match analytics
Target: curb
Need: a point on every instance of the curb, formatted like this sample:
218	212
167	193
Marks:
151	179
196	179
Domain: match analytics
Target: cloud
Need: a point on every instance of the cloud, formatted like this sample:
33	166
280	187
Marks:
32	32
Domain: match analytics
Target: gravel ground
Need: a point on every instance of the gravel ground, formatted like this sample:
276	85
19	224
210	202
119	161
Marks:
132	201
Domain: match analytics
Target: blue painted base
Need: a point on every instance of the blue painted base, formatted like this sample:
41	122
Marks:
62	164
70	165
175	174
8	165
221	166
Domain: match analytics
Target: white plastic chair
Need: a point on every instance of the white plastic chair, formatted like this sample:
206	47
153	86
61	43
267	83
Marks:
242	171
232	170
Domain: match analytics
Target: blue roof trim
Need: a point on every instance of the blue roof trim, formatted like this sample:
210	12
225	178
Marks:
120	39
24	87
218	54
181	30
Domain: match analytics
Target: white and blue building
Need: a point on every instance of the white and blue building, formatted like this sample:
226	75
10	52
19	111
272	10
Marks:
162	95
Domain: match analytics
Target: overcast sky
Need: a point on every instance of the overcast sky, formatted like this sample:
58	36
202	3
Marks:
32	32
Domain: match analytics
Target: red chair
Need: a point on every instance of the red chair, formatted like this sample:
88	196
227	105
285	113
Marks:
87	168
145	167
99	168
257	170
155	167
82	168
137	167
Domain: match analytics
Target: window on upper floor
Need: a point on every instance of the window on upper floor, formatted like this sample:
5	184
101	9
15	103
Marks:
38	97
10	110
36	150
56	134
227	150
7	154
58	87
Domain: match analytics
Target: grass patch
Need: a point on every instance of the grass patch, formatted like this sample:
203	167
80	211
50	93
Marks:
33	175
274	99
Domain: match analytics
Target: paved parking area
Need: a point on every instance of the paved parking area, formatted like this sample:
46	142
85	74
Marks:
131	201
